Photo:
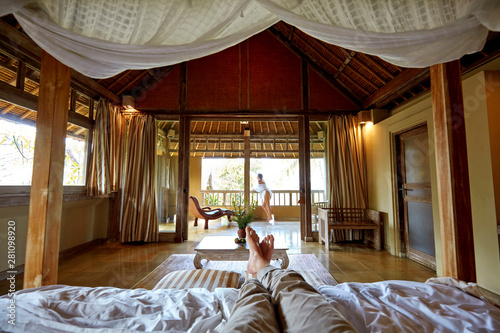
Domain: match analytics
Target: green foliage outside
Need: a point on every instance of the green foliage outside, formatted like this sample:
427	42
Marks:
22	144
17	146
213	200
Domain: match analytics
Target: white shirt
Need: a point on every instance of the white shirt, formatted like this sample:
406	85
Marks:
261	188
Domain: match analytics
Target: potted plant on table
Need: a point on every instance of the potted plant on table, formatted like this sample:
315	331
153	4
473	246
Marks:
243	217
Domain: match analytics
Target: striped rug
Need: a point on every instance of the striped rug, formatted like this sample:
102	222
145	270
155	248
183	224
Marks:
306	264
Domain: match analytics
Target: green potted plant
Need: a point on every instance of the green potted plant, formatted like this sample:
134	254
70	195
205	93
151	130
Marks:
243	217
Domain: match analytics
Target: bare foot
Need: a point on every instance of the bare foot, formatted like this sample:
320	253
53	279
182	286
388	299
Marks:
256	260
267	247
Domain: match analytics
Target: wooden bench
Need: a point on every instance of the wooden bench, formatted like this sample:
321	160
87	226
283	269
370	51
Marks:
349	218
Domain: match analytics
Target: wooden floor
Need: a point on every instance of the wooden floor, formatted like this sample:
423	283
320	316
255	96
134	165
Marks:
123	265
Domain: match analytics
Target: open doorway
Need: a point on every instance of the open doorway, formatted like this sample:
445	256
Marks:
226	157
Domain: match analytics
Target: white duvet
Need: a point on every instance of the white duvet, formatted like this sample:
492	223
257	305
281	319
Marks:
82	309
389	306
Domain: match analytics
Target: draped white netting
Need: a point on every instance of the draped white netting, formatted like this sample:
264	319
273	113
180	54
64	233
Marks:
102	38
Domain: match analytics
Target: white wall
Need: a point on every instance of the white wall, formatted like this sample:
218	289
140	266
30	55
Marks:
484	214
382	184
82	222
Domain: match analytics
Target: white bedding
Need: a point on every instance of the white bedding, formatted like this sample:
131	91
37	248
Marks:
60	308
389	306
405	306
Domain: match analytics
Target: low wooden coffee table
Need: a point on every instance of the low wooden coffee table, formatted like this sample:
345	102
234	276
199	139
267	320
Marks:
223	248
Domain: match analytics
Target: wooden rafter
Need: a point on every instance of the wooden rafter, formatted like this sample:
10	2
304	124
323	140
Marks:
339	85
157	76
362	64
339	70
396	87
118	80
128	85
379	66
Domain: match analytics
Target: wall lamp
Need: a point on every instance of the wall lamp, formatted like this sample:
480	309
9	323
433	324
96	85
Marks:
365	117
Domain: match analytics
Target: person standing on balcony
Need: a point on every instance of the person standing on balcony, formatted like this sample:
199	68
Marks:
265	195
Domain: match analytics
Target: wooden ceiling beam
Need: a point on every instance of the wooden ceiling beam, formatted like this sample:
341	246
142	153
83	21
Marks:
339	85
397	87
14	41
344	63
379	66
365	67
133	81
339	71
157	76
15	96
122	76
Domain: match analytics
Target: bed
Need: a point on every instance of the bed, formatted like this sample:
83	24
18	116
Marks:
388	306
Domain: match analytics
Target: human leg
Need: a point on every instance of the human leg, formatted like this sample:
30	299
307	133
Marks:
301	308
254	311
267	205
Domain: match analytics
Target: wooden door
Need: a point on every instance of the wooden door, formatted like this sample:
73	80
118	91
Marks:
415	201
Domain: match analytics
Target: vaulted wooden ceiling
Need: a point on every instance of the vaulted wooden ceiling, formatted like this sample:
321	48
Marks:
368	81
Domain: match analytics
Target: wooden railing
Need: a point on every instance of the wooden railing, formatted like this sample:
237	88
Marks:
280	197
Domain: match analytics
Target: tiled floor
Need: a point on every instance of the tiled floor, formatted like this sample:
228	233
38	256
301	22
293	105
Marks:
123	265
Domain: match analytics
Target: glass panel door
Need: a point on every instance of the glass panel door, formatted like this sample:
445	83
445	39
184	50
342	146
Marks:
167	174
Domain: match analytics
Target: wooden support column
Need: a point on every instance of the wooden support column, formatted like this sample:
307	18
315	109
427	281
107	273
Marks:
44	222
305	179
246	168
305	85
450	145
181	227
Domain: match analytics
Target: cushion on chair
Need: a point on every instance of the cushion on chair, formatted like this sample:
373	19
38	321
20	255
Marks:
199	278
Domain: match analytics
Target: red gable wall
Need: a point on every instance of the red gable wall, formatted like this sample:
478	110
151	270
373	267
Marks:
257	74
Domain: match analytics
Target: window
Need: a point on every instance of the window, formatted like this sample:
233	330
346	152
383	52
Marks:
17	146
75	161
18	129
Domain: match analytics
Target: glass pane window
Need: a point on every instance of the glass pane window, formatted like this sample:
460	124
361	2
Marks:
75	161
167	173
17	146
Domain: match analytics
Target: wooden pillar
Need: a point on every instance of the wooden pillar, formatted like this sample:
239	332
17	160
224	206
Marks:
450	145
246	168
305	179
305	85
181	227
44	221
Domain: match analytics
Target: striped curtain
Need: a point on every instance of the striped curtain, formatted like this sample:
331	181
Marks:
108	143
139	212
346	169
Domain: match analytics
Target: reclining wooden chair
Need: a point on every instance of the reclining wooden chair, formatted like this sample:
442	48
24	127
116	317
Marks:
207	213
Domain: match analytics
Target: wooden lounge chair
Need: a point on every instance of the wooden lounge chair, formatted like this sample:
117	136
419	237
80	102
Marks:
207	213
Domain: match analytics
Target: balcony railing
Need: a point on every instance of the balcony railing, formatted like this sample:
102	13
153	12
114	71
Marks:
280	197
